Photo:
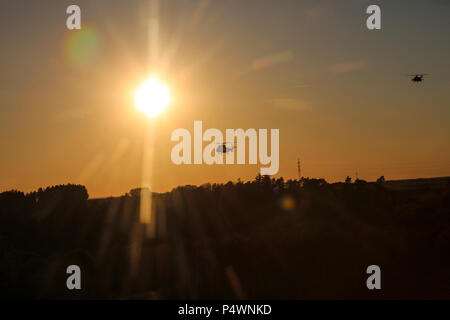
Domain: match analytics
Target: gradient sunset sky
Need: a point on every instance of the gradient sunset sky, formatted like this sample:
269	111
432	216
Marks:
338	92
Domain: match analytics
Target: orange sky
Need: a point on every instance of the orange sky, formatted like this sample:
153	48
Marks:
337	91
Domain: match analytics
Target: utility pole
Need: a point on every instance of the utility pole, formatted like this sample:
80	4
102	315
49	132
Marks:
299	169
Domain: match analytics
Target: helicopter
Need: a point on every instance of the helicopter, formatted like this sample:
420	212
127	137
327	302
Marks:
417	77
225	147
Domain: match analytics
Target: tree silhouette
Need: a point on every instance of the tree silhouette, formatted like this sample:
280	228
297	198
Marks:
291	239
381	180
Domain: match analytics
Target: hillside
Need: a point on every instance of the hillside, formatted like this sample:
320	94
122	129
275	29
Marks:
295	239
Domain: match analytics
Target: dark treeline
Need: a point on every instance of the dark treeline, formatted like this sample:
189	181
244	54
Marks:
268	238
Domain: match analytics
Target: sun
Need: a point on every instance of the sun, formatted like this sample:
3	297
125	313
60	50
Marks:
152	97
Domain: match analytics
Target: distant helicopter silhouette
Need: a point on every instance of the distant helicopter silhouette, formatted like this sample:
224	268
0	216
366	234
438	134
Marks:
225	147
417	77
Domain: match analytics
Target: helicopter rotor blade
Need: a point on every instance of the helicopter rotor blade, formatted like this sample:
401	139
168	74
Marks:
221	142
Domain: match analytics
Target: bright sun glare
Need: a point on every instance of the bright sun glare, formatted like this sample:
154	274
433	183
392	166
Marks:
152	97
